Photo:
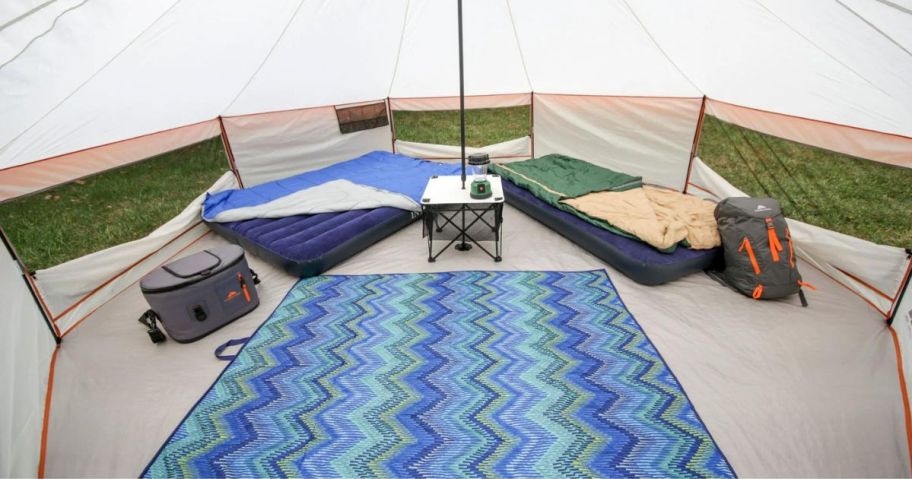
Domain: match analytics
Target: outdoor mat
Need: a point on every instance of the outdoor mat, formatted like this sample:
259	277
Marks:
497	374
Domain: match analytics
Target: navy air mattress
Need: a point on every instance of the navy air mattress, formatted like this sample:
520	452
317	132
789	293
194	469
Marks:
639	261
307	245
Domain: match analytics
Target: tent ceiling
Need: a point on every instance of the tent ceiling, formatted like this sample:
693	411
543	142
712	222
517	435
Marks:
91	73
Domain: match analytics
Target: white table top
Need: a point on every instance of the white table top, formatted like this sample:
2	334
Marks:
447	190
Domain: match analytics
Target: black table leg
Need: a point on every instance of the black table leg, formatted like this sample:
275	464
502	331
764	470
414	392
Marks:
463	246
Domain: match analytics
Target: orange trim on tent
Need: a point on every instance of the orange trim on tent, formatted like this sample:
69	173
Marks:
106	144
487	95
392	124
702	189
128	268
902	286
644	97
812	119
303	108
229	152
905	394
47	413
696	142
77	323
840	283
866	285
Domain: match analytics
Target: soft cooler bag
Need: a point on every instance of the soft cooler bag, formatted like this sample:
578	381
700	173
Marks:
200	293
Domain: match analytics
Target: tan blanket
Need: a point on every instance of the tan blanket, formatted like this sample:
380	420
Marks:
660	217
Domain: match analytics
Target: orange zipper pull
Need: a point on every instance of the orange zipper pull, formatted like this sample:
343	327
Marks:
243	284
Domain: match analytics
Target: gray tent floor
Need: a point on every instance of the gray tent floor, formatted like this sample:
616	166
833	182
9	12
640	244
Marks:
785	390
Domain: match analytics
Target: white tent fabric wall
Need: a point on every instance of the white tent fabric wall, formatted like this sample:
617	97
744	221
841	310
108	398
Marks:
73	290
270	146
26	347
594	47
510	150
874	272
651	137
427	65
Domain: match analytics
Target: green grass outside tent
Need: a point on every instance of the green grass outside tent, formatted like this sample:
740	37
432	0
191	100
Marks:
856	197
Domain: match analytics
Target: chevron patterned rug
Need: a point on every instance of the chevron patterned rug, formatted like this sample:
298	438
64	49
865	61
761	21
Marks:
469	374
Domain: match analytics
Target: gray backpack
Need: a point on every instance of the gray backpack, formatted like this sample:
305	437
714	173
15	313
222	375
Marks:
760	261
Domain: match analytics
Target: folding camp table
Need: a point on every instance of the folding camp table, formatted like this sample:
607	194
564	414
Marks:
452	213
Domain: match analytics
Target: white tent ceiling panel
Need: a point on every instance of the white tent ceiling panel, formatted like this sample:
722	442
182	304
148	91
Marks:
593	47
270	146
26	346
48	67
890	17
428	63
739	51
185	68
23	22
331	53
651	137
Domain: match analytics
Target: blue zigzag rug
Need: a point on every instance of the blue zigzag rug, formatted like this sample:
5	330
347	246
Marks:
470	374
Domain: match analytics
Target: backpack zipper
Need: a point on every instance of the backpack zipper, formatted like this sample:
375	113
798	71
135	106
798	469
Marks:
750	254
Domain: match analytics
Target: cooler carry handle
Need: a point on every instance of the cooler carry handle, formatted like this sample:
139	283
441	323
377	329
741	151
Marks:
205	272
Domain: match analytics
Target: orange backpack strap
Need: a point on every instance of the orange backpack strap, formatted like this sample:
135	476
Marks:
774	244
807	285
746	245
758	291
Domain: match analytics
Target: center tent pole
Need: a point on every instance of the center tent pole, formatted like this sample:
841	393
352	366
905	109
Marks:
461	96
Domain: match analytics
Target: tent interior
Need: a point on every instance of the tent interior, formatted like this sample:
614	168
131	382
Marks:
88	86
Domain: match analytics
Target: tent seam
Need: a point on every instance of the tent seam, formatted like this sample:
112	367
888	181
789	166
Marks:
266	58
818	47
26	14
33	40
522	57
874	27
408	6
91	77
659	47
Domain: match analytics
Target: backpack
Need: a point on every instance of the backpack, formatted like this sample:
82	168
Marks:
760	261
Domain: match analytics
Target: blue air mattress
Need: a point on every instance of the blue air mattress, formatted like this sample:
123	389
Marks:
307	245
639	261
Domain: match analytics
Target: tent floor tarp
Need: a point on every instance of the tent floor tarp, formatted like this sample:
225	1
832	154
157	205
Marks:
785	390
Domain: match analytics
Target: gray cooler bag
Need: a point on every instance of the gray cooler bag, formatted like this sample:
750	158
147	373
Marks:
198	294
760	260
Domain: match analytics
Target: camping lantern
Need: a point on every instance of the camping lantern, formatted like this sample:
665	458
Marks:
481	187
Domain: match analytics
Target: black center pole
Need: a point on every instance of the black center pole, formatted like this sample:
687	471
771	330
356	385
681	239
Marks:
461	96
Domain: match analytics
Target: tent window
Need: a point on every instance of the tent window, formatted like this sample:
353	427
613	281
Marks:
865	199
363	117
484	126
